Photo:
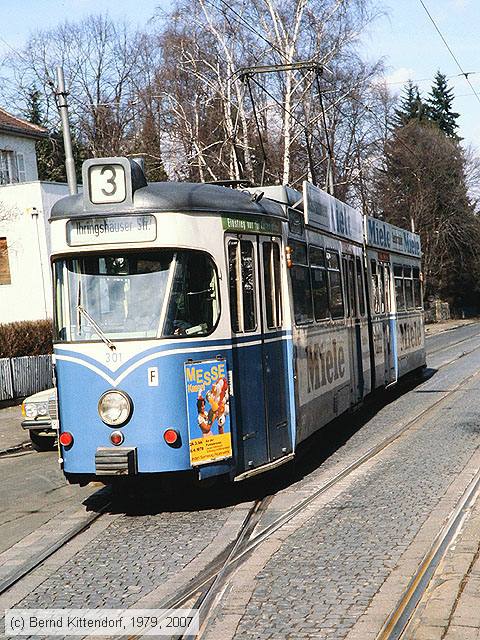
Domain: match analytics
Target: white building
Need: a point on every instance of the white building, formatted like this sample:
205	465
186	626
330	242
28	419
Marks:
25	204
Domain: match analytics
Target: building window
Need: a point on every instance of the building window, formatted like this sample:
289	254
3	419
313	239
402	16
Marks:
4	263
21	173
6	167
12	167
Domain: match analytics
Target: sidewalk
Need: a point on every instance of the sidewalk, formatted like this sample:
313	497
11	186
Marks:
450	608
438	327
11	433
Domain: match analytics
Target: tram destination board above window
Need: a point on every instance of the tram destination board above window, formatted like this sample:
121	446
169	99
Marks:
111	230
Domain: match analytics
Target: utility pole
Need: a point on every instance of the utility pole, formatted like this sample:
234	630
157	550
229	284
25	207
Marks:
61	97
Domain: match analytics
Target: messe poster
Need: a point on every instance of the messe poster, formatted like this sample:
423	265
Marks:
208	411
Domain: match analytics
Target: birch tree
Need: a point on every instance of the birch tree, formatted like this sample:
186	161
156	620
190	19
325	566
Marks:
219	38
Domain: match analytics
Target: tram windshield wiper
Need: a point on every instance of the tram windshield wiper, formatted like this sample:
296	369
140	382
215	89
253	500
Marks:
94	324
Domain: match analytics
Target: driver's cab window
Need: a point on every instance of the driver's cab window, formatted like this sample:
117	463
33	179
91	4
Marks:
193	307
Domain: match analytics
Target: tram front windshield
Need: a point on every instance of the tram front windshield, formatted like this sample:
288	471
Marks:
165	293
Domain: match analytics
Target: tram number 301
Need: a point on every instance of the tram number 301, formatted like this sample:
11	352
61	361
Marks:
107	183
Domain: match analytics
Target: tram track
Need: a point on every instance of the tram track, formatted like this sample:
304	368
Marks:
203	592
453	344
397	622
462	355
18	572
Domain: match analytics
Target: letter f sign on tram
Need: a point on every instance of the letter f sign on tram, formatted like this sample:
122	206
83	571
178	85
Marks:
152	376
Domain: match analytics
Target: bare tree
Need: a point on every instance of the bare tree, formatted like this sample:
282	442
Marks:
101	59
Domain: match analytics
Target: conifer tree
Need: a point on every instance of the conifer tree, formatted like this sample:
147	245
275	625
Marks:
439	105
411	106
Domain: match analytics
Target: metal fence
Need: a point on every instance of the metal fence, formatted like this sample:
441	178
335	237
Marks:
21	377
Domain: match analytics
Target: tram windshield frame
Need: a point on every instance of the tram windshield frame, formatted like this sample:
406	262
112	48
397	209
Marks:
133	295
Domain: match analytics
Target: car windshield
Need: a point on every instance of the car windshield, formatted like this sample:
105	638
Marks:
156	294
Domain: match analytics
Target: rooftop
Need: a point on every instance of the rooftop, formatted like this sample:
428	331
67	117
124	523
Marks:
14	125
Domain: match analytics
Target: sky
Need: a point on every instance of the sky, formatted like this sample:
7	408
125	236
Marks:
411	48
404	37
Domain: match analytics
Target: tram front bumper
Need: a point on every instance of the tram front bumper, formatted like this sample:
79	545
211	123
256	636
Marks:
118	461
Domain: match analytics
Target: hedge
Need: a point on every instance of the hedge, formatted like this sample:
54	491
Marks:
27	338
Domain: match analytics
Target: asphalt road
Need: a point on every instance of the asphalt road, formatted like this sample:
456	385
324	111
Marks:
32	490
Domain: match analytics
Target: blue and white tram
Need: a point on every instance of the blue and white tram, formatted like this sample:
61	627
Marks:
205	330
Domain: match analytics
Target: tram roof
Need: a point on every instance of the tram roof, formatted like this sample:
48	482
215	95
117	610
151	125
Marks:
158	197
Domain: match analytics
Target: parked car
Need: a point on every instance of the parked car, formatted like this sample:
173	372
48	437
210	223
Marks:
41	419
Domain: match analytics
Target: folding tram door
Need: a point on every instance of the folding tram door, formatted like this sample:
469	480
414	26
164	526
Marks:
389	323
259	354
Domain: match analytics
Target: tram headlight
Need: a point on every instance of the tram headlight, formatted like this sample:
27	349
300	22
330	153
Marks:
114	408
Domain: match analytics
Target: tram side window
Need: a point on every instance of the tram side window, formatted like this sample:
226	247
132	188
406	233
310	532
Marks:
337	309
301	285
387	282
407	275
242	285
351	287
348	310
417	288
399	288
376	294
273	291
361	295
318	273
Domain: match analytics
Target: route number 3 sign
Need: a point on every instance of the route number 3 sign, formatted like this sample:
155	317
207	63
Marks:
107	183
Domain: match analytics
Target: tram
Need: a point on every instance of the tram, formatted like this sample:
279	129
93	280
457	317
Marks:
207	331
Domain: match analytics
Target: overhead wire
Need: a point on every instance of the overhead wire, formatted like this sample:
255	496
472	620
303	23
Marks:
462	72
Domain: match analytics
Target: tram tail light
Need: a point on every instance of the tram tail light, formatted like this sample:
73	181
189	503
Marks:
172	437
66	439
116	438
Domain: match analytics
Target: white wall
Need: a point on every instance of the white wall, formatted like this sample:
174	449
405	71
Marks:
25	146
29	296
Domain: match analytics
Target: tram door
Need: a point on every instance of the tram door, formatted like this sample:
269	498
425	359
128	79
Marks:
389	328
256	318
273	348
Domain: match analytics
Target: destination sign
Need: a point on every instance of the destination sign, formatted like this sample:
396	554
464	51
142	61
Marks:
111	230
252	225
387	237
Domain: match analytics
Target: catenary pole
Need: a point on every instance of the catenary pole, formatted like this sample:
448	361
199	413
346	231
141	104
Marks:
61	96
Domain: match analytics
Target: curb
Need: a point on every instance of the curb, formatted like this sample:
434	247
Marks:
452	328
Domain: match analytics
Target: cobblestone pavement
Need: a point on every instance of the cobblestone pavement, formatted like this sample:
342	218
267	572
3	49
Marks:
129	559
324	575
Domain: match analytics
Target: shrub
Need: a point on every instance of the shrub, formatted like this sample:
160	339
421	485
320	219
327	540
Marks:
27	338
